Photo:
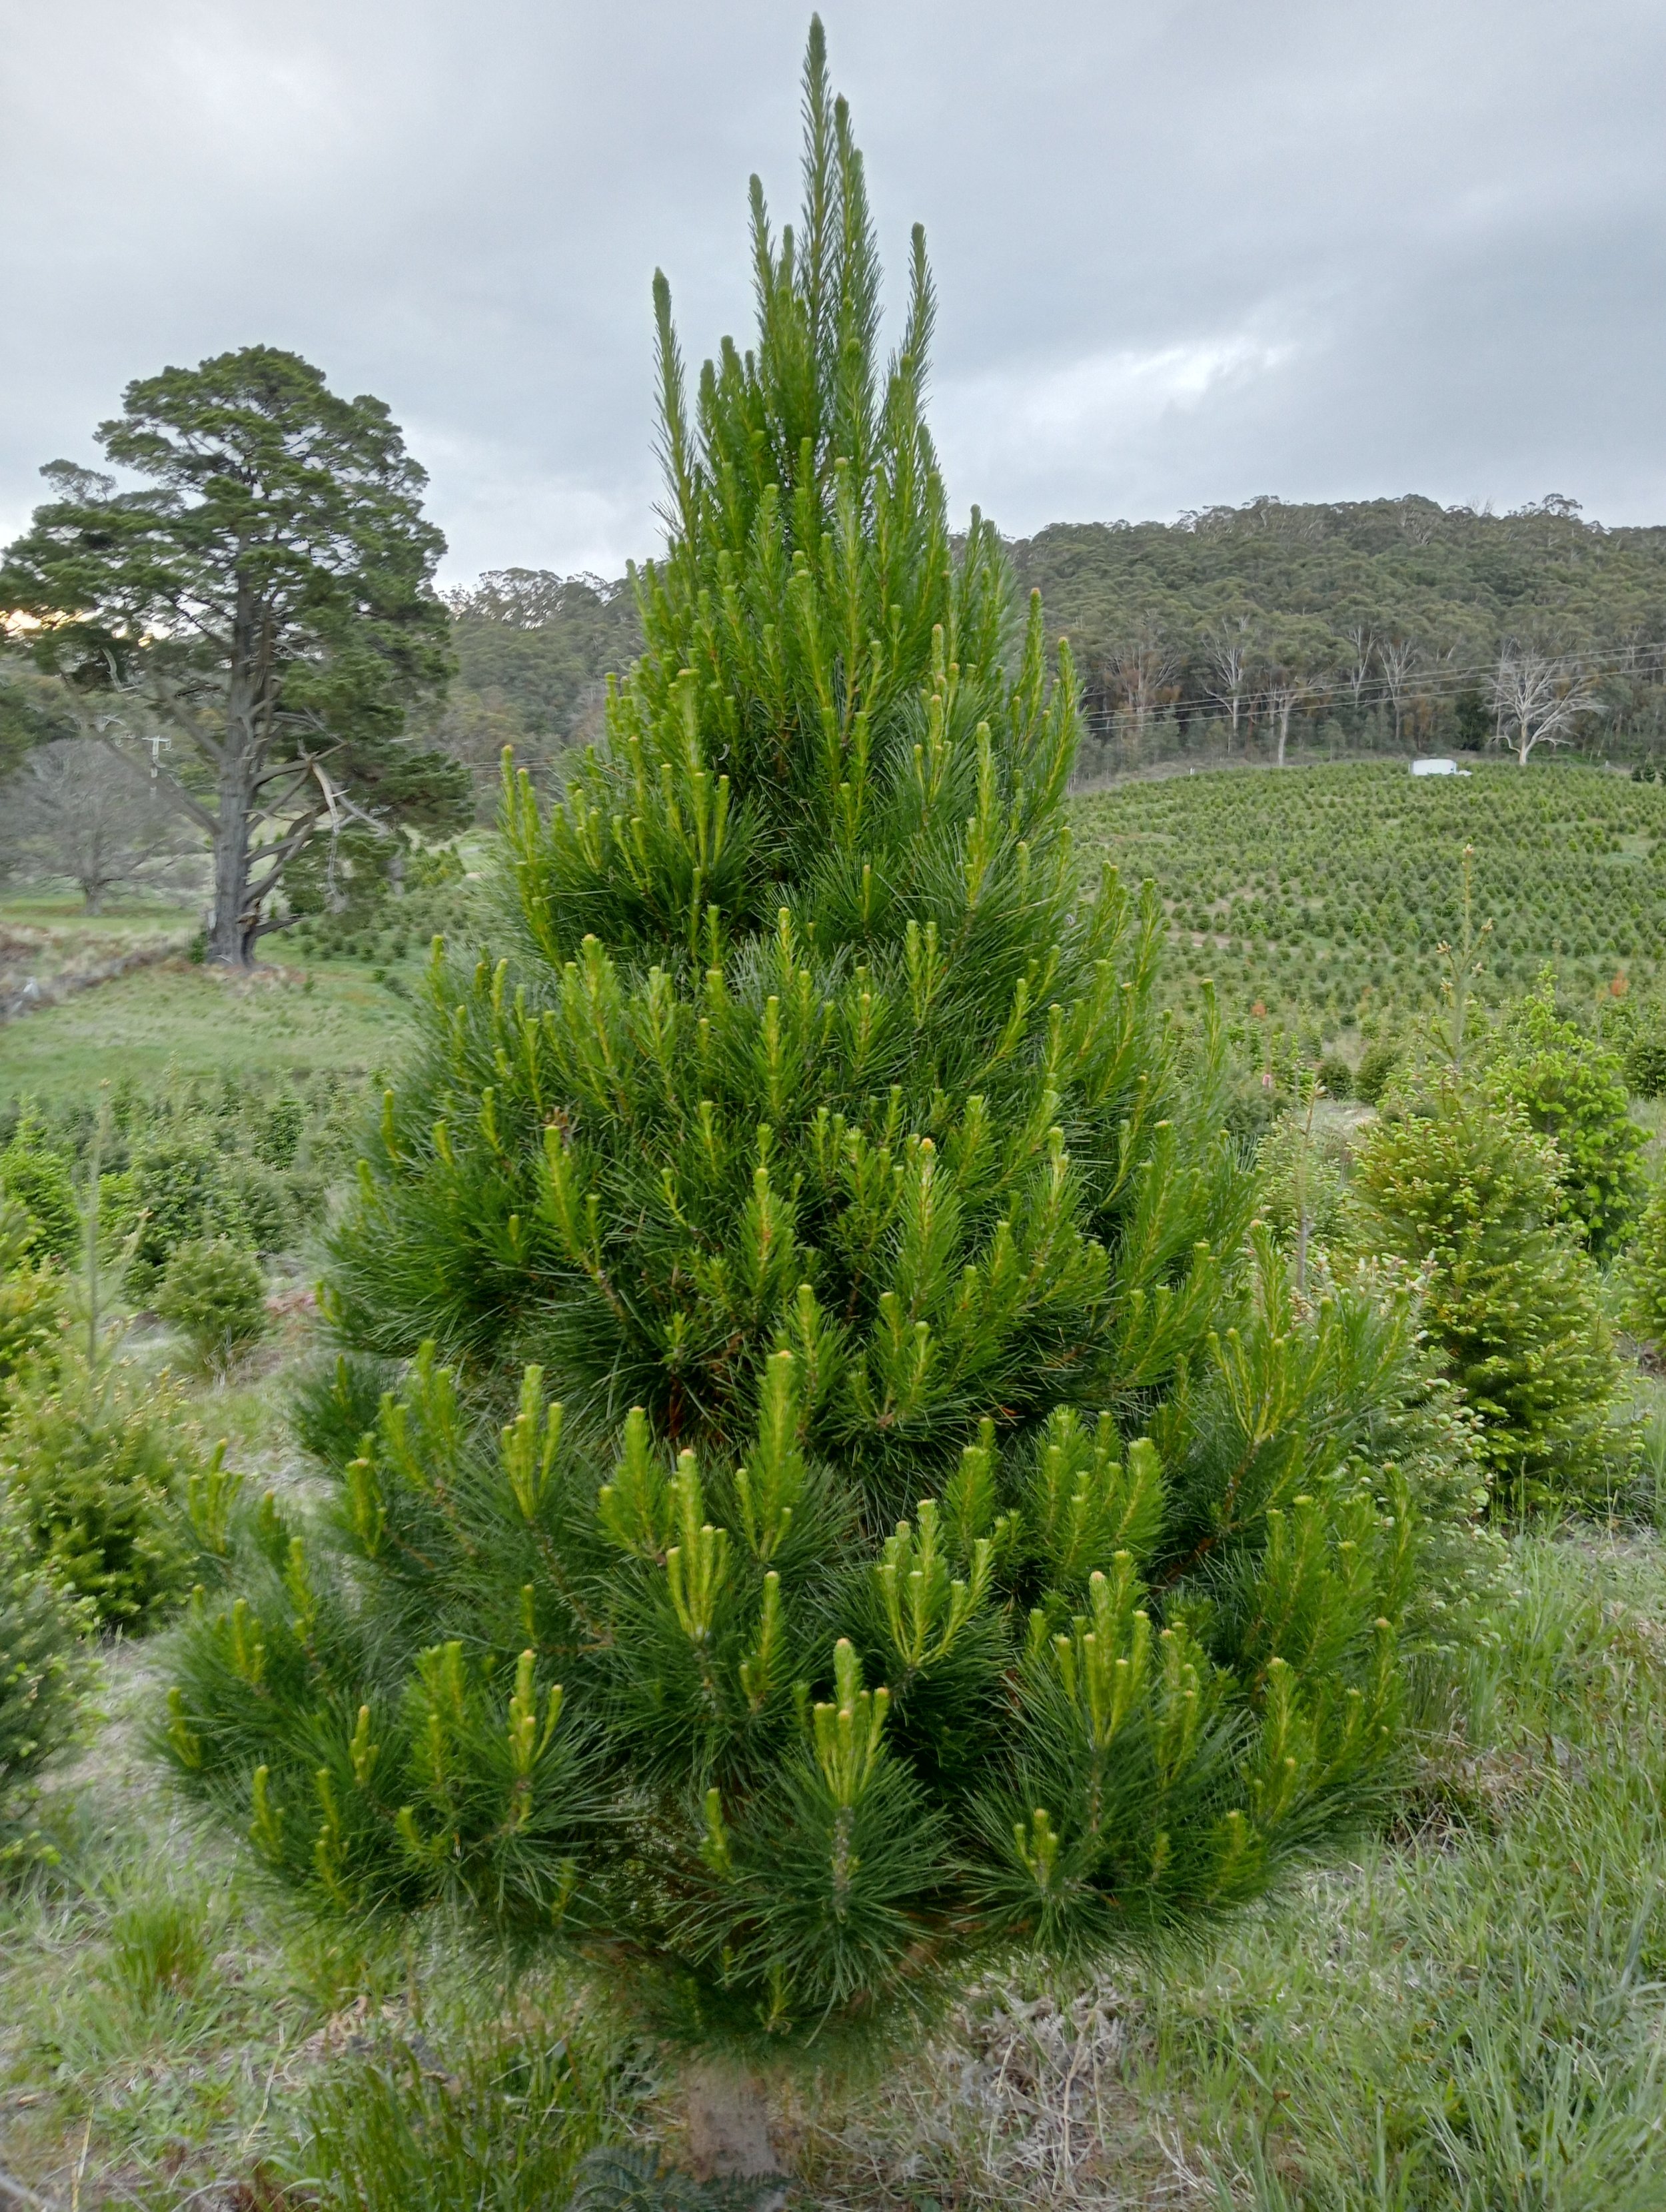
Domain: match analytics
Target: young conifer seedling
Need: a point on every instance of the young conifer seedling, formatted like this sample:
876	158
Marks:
858	1499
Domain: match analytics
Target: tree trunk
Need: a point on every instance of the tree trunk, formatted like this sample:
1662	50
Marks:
728	2128
231	934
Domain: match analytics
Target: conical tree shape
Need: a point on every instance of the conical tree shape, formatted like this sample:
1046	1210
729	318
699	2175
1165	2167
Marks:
952	1536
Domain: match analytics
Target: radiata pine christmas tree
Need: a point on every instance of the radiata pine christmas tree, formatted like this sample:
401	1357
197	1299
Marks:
857	1498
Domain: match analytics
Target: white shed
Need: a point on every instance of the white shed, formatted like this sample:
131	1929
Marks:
1436	767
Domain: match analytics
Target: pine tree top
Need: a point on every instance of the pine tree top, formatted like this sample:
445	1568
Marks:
821	721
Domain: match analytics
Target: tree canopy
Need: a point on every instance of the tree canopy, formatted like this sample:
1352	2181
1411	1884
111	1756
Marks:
260	609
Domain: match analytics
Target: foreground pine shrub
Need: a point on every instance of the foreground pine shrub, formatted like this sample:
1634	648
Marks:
859	1502
1465	1190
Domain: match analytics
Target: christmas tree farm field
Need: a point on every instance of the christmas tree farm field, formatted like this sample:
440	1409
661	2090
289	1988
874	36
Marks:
1321	894
1467	2012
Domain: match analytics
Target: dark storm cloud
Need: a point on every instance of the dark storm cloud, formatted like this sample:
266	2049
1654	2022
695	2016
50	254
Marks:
1185	252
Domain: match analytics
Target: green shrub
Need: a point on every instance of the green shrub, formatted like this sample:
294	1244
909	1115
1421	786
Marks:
263	1202
39	1178
1572	1090
1378	1066
280	1132
178	1192
1304	1167
1466	1190
1644	1273
45	1669
215	1295
96	1463
1336	1076
31	1297
1645	1064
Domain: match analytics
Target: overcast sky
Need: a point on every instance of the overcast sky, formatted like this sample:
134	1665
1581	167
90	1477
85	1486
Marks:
1185	252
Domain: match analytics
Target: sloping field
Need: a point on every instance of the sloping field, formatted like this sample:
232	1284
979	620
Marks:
1328	890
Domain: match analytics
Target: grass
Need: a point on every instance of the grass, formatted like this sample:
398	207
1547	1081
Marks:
1470	2015
169	2025
180	1019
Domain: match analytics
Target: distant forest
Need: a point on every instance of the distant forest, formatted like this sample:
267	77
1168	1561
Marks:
1264	631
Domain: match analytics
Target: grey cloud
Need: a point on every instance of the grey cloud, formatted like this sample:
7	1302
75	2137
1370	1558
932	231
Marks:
1185	252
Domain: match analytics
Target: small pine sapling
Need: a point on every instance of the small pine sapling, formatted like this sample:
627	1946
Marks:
1644	1273
215	1295
1572	1089
31	1297
44	1670
1465	1190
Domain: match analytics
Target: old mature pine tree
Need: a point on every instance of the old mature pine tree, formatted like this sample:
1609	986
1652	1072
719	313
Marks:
861	1499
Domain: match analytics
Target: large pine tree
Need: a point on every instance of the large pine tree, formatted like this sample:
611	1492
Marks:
858	1496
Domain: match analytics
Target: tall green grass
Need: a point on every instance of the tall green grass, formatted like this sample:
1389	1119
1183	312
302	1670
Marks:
1471	2018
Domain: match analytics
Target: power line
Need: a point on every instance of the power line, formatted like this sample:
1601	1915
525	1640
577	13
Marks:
1437	683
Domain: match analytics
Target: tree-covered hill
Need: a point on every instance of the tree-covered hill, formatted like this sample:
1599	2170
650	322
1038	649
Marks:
533	649
1394	622
1390	623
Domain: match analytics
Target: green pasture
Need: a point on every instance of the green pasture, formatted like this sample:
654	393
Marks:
189	1021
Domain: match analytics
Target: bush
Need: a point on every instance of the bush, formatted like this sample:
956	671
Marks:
262	1201
962	1539
1645	1061
1336	1076
1571	1089
1378	1065
45	1669
178	1193
39	1178
278	1139
215	1295
1468	1192
1644	1273
31	1297
1305	1184
96	1462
